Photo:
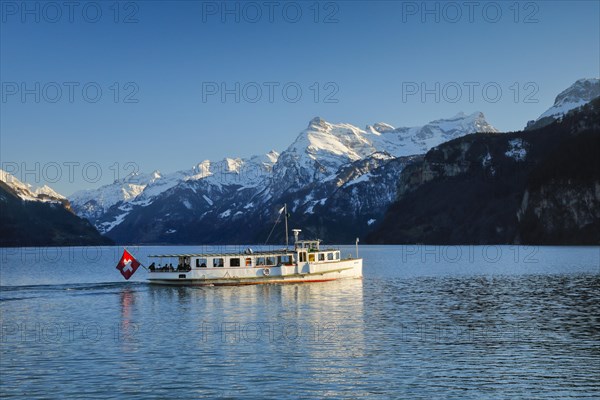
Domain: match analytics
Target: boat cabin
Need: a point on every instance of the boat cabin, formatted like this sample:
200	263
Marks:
305	251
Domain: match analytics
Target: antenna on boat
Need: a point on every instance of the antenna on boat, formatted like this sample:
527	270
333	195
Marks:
286	226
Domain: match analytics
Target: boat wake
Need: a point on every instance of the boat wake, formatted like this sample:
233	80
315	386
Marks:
23	292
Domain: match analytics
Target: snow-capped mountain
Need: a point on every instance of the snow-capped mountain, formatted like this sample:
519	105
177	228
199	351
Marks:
40	217
581	92
538	187
92	203
234	171
418	140
327	167
323	147
25	191
140	189
198	211
337	179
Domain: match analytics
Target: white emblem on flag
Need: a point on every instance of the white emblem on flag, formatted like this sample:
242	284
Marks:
127	266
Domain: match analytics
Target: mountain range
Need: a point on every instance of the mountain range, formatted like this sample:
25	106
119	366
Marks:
535	187
40	217
337	179
579	93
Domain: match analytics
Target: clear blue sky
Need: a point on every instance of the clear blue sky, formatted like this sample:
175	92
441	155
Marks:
367	52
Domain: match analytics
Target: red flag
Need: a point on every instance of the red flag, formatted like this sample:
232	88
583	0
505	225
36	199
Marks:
128	265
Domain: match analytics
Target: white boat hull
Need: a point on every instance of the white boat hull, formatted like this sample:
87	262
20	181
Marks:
306	272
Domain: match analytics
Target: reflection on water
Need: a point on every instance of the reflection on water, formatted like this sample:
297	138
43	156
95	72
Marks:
417	331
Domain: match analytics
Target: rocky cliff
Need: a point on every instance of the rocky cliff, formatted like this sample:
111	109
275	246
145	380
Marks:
536	187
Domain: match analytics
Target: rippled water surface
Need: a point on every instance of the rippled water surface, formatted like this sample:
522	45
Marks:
425	322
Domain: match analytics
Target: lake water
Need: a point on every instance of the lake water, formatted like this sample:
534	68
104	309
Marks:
425	322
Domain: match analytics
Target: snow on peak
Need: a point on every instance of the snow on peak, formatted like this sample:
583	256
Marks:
266	160
461	116
12	181
124	189
272	156
142	189
26	192
331	143
407	141
354	143
379	127
201	170
48	191
322	148
316	154
576	95
240	171
582	89
156	174
317	122
233	164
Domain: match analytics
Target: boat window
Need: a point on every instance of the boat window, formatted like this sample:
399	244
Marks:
321	256
271	261
337	255
234	262
248	262
285	260
260	261
217	262
302	256
200	262
311	257
329	256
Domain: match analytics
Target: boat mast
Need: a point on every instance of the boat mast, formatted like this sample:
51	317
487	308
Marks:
286	225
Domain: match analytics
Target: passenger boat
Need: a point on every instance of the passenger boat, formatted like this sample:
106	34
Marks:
306	262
